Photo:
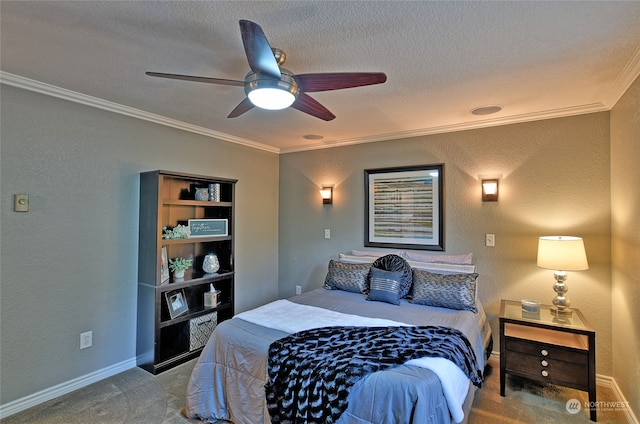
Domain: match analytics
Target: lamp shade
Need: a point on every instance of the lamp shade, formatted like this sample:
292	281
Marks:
562	253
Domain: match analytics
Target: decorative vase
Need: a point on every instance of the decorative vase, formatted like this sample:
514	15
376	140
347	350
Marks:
202	194
179	274
210	263
214	192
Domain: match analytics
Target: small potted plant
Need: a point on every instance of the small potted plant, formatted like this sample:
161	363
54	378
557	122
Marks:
178	232
179	266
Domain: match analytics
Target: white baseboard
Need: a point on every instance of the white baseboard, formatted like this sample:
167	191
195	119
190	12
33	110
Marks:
26	402
601	380
610	382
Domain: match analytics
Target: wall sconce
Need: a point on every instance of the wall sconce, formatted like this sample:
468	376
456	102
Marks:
490	190
327	195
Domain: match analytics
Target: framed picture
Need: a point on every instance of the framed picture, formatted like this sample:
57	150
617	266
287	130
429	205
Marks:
208	227
176	302
404	207
164	267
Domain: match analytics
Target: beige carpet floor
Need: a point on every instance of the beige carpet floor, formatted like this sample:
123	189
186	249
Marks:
137	397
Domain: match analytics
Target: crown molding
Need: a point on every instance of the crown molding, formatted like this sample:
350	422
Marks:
620	86
72	96
464	126
628	75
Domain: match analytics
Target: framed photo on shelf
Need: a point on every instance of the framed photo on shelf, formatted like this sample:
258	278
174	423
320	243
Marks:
176	302
404	207
164	267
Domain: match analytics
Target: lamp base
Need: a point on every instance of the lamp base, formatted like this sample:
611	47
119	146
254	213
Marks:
566	312
561	303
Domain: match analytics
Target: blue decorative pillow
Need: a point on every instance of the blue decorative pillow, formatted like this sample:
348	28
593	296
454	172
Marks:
384	286
347	277
454	291
396	263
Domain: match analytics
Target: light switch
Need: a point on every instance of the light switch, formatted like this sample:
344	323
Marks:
490	240
21	203
327	233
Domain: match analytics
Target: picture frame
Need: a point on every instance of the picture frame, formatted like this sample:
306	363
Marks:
404	207
164	267
208	227
176	303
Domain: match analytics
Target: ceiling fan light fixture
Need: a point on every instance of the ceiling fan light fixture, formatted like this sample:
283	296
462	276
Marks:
269	93
271	98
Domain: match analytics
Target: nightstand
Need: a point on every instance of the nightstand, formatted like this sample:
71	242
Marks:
548	348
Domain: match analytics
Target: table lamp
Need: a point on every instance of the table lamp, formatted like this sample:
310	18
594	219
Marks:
561	253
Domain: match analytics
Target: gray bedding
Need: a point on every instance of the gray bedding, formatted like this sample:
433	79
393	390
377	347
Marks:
228	379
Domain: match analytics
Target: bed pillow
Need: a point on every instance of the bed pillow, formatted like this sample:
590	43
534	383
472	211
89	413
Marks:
344	257
443	267
347	277
466	258
384	286
375	253
454	291
396	263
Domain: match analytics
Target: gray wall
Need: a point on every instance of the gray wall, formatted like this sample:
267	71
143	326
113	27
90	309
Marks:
554	180
70	264
625	243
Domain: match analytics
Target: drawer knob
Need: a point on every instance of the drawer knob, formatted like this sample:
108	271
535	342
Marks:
544	363
544	373
544	352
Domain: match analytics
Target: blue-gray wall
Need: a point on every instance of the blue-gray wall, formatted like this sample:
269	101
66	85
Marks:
69	265
554	180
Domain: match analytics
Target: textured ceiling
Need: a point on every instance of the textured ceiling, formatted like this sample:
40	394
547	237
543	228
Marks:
442	59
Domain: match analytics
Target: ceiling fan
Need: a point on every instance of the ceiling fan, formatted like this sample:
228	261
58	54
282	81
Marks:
269	86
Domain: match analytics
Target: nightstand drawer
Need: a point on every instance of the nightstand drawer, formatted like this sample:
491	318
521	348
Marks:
555	369
550	352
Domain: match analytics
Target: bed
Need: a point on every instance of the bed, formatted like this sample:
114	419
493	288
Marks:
234	375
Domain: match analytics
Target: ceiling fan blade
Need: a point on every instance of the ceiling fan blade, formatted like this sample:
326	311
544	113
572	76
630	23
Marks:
305	103
243	107
258	51
338	80
197	79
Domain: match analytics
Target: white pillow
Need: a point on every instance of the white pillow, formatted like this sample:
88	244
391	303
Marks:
443	267
466	258
376	254
353	259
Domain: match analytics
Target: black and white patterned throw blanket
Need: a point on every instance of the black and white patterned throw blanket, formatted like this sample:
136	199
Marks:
311	372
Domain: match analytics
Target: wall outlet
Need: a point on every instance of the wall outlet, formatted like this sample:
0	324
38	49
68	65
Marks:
298	289
86	340
327	233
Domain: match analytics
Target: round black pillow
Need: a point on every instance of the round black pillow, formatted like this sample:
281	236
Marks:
398	264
